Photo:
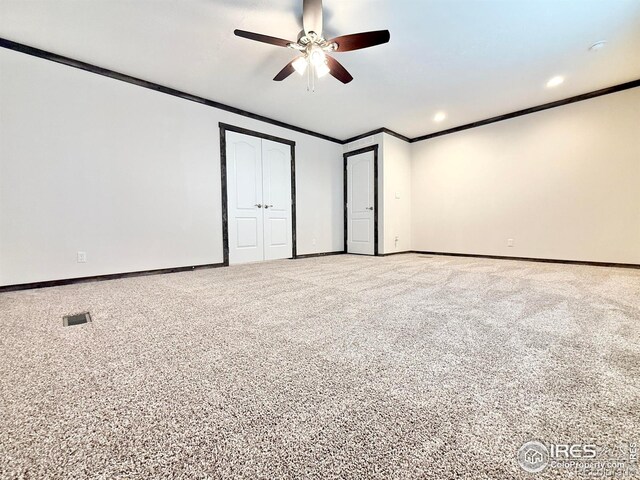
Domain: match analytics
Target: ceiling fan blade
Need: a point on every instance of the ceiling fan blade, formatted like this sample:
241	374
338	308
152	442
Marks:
258	37
312	16
285	72
356	41
337	70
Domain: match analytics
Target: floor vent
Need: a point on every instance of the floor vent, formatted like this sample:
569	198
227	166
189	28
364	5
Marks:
425	256
77	319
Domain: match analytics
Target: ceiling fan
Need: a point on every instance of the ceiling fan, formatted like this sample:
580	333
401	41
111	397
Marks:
314	49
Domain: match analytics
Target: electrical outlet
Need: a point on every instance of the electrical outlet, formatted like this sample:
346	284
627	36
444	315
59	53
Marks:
510	242
397	195
82	257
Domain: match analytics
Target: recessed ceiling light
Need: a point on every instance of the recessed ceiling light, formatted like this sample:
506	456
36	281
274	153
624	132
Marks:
555	81
440	116
598	46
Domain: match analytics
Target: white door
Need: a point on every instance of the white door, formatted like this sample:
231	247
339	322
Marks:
258	199
244	198
276	190
360	204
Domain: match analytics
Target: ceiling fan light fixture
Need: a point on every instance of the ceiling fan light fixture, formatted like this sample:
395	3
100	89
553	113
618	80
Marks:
317	56
322	69
300	64
314	50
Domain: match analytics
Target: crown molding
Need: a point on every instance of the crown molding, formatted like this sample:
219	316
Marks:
36	52
375	132
527	111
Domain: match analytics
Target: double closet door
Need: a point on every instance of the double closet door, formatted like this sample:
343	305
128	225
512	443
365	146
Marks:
258	199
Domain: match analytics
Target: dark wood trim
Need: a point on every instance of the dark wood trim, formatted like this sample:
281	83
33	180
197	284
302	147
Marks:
566	101
345	211
396	134
375	199
531	259
101	278
395	253
362	135
527	111
375	132
345	156
224	128
224	197
294	224
53	57
161	271
253	133
322	254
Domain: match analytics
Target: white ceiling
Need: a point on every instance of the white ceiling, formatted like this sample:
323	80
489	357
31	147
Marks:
473	59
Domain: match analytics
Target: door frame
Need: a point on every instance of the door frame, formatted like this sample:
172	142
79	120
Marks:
224	128
345	156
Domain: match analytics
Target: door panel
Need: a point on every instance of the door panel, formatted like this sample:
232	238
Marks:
279	232
362	196
246	170
276	165
247	233
360	230
360	204
244	194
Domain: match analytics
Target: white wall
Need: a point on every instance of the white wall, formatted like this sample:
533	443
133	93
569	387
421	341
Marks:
562	183
127	174
131	176
396	195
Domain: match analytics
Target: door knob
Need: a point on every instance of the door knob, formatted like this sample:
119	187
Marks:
267	206
369	208
259	205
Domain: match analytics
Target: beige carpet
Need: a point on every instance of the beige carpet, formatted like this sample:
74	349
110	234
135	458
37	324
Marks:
333	367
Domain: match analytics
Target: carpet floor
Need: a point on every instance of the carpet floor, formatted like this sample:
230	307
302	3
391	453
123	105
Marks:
333	367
